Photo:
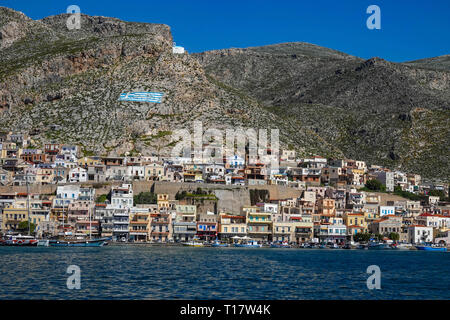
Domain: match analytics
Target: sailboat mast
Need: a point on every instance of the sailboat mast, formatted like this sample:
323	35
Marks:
90	220
28	204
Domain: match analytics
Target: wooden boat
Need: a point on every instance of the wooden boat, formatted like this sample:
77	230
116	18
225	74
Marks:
78	243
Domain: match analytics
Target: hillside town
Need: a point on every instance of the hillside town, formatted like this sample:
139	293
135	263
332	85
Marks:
57	191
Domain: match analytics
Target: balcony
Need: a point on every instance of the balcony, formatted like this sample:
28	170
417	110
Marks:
121	214
159	233
160	222
139	222
121	222
281	232
259	221
259	232
139	232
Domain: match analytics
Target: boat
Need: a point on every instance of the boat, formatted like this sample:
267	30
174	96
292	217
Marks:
218	244
43	243
280	245
19	241
350	246
248	244
431	248
78	243
193	243
402	246
378	246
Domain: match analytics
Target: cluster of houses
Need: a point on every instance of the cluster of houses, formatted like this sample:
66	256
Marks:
22	164
320	214
330	206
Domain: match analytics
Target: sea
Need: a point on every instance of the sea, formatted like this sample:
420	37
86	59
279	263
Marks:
144	272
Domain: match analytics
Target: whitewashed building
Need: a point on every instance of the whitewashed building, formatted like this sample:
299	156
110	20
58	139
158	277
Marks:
420	234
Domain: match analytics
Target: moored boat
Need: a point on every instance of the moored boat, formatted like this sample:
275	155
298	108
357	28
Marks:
378	246
248	244
78	243
402	246
193	244
280	245
19	241
334	246
431	248
218	244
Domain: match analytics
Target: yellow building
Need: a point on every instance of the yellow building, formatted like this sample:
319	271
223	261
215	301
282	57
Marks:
139	226
295	230
154	171
45	176
12	217
89	161
231	226
163	201
355	222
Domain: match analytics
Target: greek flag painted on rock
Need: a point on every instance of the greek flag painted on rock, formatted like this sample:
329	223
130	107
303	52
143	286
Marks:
142	96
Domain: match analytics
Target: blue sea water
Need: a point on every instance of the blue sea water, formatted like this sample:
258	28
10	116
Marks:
147	272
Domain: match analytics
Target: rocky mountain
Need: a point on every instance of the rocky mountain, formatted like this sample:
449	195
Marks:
63	85
394	114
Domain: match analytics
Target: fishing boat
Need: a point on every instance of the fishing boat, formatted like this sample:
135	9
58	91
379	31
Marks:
431	248
280	245
19	241
43	243
218	244
193	243
402	246
350	246
378	246
78	243
248	244
334	246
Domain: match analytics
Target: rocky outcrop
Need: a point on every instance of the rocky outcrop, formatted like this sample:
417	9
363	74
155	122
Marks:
364	108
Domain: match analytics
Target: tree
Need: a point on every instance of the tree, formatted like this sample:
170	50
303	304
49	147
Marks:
180	195
23	226
145	198
379	236
394	236
375	185
362	237
102	198
437	193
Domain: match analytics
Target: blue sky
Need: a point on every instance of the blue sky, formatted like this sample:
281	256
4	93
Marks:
409	29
